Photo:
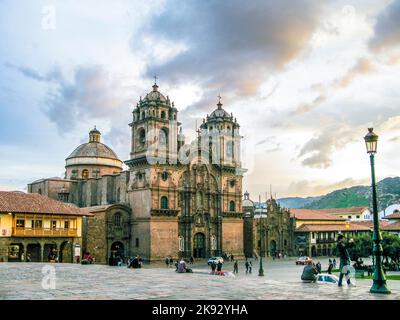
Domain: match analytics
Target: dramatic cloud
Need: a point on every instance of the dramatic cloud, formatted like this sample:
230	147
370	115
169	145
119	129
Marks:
318	150
387	29
362	67
231	46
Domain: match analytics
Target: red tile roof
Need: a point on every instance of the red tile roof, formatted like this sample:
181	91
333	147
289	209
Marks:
370	223
331	227
21	202
308	214
392	227
395	215
351	210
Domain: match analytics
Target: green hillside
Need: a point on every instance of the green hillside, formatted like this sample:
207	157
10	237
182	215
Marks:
388	191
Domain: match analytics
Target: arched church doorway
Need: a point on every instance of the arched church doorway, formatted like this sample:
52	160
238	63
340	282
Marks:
117	253
272	248
199	246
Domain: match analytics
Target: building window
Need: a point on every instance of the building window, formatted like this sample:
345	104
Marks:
21	223
53	224
137	242
163	137
164	202
232	183
358	217
164	175
40	191
232	206
142	136
37	224
162	114
285	242
117	220
85	174
66	224
143	115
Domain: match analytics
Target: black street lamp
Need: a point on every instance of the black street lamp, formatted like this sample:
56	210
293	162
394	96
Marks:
379	284
260	270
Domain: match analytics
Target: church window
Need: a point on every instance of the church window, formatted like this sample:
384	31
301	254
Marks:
232	183
162	114
229	149
200	199
85	174
117	219
164	202
163	136
164	175
118	194
143	115
232	206
142	136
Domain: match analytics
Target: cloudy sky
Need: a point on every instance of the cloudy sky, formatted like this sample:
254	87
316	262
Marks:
305	79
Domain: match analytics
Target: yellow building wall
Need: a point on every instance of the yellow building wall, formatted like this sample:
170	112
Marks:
6	224
301	222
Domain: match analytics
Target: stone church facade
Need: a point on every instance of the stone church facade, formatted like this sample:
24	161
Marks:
176	199
274	232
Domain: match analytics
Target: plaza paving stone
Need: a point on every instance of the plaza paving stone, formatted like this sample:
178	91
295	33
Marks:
20	281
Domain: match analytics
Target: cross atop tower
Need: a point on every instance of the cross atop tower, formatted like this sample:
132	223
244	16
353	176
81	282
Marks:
219	104
155	86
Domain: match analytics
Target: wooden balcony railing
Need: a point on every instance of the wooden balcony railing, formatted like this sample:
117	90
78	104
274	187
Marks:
44	232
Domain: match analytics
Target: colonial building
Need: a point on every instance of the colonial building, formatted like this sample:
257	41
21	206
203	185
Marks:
316	231
299	231
176	199
273	230
33	227
351	213
394	222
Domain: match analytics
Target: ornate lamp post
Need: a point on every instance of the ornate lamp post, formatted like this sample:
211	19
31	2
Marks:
260	216
379	284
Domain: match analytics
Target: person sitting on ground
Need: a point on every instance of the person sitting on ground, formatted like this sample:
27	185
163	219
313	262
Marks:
181	266
309	272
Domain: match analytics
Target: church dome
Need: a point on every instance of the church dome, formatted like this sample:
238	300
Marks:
219	112
92	159
155	95
93	149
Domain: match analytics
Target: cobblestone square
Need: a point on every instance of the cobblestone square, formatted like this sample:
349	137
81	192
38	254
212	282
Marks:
20	281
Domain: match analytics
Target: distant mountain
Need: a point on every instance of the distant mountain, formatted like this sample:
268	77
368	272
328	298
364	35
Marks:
296	202
388	192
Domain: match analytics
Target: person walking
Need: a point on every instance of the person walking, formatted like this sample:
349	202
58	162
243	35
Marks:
235	267
247	266
330	267
219	267
191	260
232	258
334	263
171	261
250	267
167	262
213	267
344	256
318	265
